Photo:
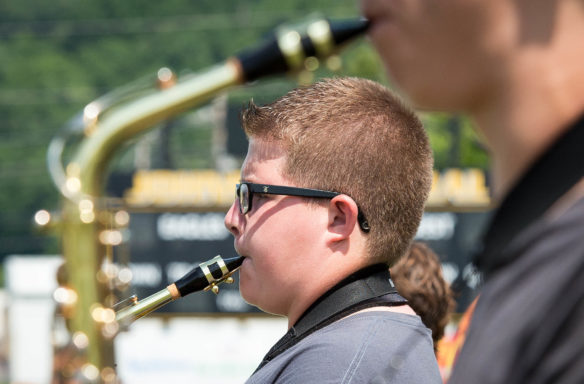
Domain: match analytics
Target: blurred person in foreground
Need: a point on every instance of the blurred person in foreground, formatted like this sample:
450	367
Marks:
332	191
516	67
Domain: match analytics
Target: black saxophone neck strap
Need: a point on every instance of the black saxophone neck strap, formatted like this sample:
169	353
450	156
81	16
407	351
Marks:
369	287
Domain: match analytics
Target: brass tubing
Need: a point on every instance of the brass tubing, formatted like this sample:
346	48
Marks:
143	114
145	306
82	250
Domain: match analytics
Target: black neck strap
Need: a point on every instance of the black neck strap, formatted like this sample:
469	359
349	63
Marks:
369	287
550	177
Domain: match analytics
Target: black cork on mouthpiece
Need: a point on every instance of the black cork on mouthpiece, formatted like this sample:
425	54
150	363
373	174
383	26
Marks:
269	58
207	274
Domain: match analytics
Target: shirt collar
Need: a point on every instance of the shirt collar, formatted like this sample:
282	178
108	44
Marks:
366	288
550	177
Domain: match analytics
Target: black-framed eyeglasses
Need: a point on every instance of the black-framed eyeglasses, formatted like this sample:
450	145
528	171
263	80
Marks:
245	191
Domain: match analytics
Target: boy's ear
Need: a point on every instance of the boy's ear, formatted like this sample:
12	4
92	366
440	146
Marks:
342	219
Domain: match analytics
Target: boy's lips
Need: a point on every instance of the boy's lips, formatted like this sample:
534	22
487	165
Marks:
240	252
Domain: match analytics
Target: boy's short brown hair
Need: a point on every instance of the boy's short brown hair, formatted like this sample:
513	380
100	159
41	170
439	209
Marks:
353	136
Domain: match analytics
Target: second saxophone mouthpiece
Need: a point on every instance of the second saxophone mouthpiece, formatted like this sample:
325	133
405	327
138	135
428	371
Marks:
286	51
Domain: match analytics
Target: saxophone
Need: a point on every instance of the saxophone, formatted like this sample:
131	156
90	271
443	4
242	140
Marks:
88	220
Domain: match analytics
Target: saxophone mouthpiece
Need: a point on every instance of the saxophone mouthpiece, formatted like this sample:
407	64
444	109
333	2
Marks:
208	275
288	49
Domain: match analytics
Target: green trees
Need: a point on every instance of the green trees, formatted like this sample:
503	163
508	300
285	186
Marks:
55	57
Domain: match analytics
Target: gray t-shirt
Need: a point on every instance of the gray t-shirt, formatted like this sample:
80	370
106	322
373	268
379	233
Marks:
367	347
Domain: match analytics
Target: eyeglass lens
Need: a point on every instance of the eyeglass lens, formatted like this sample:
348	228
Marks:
243	198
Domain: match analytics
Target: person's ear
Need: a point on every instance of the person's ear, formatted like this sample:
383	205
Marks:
343	212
